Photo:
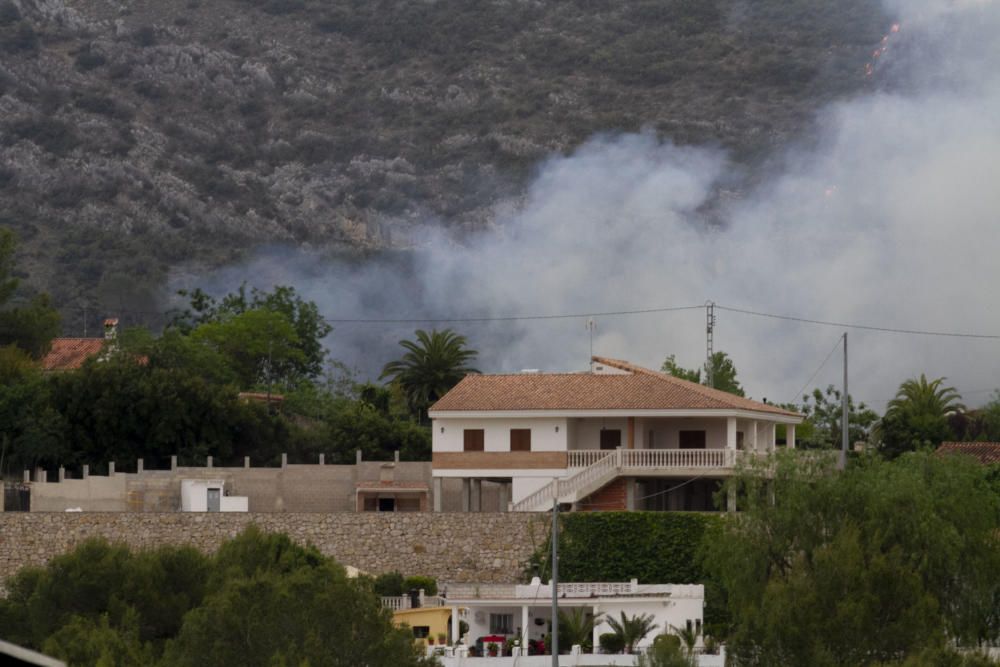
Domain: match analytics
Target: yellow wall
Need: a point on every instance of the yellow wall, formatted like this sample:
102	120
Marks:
436	618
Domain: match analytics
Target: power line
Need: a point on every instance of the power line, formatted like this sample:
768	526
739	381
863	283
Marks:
816	372
866	327
510	318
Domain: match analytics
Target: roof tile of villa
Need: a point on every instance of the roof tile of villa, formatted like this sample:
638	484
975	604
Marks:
985	452
70	353
637	388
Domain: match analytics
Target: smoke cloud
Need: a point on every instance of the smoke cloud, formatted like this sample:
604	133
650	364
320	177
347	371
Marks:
889	217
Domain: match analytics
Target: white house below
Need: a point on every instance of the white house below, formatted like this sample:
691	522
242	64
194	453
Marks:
209	495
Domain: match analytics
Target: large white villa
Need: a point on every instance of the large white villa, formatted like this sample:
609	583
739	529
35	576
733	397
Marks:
617	437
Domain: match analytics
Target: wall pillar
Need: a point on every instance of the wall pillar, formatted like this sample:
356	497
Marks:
208	462
284	460
630	494
62	474
86	471
173	462
503	496
111	469
322	459
790	436
524	629
140	465
597	631
27	476
477	495
455	637
246	461
466	494
438	493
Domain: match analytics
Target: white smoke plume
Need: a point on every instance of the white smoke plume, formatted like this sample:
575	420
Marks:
890	217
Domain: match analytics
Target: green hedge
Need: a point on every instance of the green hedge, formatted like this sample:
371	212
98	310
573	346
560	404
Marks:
653	547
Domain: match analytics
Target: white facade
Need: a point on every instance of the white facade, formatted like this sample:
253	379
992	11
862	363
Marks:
525	611
208	495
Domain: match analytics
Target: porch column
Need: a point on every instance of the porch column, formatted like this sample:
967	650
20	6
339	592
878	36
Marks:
454	626
477	495
630	494
466	493
753	435
731	433
438	493
731	500
790	436
524	629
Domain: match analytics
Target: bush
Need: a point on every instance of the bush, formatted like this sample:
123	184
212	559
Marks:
87	60
22	38
389	584
52	134
611	643
416	582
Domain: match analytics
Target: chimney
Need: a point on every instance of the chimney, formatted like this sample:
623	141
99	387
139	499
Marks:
111	328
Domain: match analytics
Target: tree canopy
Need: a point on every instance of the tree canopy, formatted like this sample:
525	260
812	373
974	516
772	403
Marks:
817	560
262	600
918	416
432	364
720	368
823	412
32	326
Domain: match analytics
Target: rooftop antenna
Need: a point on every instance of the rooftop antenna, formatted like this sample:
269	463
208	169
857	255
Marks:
709	341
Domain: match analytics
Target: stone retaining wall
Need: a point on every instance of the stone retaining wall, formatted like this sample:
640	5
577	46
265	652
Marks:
486	547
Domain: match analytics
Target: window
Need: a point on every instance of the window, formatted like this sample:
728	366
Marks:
520	440
691	439
421	631
501	624
475	439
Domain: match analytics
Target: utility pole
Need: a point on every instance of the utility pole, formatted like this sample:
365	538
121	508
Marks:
845	431
591	327
709	341
555	574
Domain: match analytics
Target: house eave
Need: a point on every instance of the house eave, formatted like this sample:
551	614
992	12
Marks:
611	413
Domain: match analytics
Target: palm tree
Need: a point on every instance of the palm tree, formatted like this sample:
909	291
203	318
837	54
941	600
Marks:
577	627
633	630
923	397
433	364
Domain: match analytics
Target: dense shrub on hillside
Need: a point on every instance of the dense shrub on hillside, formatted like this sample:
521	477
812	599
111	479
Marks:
261	600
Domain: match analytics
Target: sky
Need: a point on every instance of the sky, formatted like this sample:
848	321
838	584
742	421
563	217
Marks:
889	217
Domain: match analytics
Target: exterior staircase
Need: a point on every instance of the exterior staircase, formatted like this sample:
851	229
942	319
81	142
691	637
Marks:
594	469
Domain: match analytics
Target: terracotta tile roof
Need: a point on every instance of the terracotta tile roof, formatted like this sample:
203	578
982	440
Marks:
637	389
985	452
399	486
70	353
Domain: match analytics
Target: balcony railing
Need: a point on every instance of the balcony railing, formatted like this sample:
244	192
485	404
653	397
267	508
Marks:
400	602
657	458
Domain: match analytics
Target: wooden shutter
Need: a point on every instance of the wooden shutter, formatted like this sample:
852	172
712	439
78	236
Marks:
475	439
520	440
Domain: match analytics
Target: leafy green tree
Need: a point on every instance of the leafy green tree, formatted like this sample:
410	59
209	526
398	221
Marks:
816	559
303	316
823	412
261	600
262	347
33	326
720	368
576	626
918	416
433	364
671	367
632	629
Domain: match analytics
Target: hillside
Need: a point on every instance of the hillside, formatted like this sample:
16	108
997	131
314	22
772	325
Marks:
137	135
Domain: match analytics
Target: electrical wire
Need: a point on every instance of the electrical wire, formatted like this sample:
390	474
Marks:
866	327
509	318
815	373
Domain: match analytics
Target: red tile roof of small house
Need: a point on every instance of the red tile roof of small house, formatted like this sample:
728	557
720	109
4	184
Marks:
985	452
637	388
69	353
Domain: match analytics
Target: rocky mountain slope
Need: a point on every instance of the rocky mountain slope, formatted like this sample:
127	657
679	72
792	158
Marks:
137	135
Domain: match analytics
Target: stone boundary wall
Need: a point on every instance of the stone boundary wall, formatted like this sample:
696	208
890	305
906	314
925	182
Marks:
461	547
